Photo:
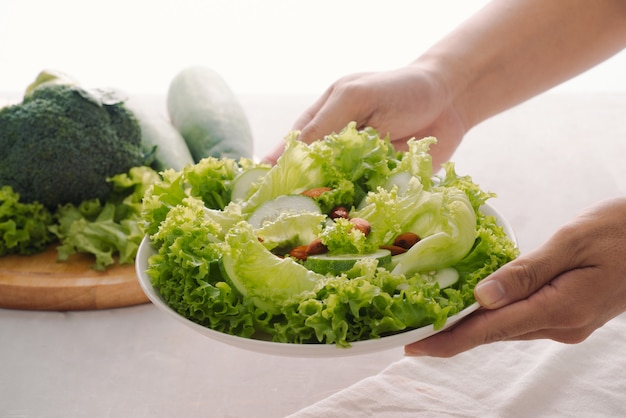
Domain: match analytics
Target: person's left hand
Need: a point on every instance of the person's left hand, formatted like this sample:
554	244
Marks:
564	290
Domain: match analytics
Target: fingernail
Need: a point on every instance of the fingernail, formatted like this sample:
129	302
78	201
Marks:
489	292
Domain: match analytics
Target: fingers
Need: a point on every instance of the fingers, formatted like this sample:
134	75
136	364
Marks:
512	322
560	310
332	116
314	123
482	327
273	156
311	111
523	320
310	129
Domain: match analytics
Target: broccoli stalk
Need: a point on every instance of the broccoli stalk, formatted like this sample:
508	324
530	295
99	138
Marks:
62	142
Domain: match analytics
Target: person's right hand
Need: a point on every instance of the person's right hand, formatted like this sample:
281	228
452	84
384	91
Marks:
404	103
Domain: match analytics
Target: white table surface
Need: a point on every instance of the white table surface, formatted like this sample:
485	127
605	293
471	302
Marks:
546	159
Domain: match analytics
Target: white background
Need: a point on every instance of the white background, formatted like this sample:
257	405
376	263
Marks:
259	46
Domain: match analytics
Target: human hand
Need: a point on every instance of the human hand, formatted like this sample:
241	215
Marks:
564	290
405	103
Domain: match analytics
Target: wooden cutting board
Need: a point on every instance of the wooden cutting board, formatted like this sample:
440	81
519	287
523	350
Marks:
40	282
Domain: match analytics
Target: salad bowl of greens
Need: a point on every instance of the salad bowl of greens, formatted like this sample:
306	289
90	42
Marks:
345	246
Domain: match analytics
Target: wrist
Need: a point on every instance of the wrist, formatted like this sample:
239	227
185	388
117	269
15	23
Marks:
450	79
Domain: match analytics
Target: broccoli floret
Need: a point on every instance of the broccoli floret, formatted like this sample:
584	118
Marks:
62	142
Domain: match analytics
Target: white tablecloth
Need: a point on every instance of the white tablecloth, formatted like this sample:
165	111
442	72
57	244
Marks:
546	160
517	379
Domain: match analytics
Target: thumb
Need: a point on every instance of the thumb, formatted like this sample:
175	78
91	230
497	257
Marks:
524	276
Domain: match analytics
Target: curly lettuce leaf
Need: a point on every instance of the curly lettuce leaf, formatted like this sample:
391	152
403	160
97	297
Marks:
351	162
186	272
108	229
23	226
367	303
211	179
417	161
295	171
342	238
475	194
360	156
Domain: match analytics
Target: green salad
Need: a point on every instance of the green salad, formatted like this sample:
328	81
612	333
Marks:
342	240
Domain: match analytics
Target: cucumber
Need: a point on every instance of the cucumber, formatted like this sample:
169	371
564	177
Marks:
157	131
336	264
244	181
446	277
271	210
206	112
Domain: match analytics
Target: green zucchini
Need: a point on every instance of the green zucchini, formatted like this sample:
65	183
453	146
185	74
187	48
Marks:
157	131
206	112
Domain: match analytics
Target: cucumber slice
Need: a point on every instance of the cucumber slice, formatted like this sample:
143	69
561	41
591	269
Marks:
446	277
244	181
336	264
270	211
290	230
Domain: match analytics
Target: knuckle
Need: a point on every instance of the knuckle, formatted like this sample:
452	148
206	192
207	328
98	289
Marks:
353	89
524	279
492	333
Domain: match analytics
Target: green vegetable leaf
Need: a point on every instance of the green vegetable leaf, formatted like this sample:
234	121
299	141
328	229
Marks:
106	230
267	280
342	238
186	271
23	226
295	171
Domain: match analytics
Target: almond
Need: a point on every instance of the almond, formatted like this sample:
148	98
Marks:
394	249
406	240
315	192
316	247
299	252
362	225
339	212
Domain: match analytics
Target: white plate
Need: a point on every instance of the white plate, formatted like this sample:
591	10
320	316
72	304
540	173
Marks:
302	350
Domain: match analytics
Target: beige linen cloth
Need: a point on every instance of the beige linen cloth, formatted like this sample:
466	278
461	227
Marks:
506	379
